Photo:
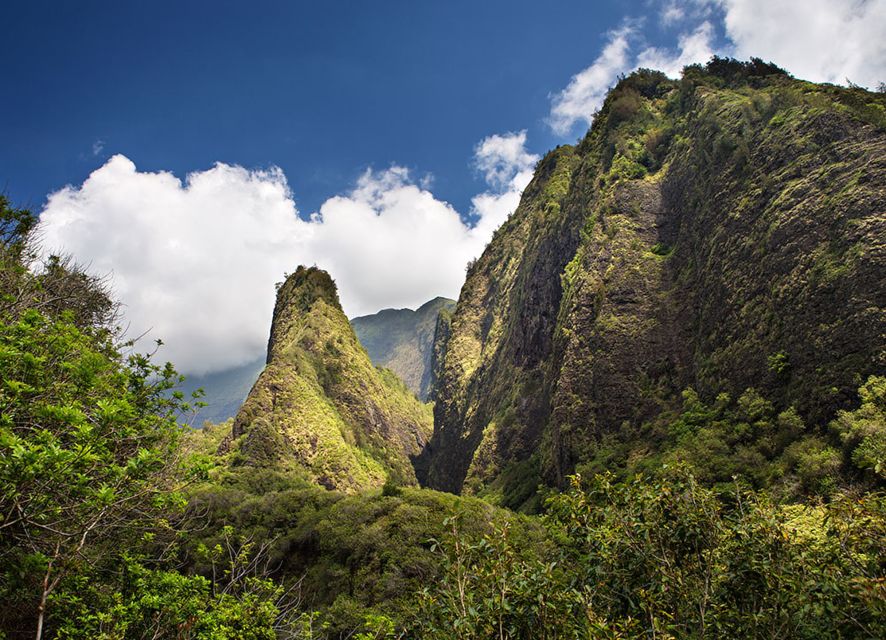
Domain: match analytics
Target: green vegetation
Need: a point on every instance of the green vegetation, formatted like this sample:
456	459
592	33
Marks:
669	559
90	469
748	439
720	233
352	557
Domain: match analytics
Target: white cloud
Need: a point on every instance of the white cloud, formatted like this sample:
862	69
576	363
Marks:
671	13
195	262
818	40
492	209
696	46
586	90
97	147
389	243
500	157
507	168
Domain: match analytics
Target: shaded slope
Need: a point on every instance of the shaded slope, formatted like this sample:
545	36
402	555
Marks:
402	340
722	232
320	406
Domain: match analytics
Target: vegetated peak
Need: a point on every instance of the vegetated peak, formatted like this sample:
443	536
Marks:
717	237
305	286
717	72
439	301
296	296
320	408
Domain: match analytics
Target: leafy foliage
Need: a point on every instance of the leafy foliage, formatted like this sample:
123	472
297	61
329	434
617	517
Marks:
863	431
670	558
667	558
493	588
89	466
167	604
86	446
748	438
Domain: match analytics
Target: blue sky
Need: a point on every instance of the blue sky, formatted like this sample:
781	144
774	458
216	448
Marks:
320	89
195	152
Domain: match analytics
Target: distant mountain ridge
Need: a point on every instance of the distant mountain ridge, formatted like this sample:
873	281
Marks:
403	340
224	391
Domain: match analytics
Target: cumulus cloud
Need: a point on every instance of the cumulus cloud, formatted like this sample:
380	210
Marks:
818	40
507	168
692	47
585	92
501	157
392	243
195	261
389	243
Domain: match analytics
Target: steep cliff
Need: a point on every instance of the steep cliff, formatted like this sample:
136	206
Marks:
721	232
320	407
402	340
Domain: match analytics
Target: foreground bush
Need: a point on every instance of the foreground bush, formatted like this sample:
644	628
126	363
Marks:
670	558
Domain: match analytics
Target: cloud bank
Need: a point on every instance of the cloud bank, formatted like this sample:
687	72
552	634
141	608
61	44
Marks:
195	262
819	40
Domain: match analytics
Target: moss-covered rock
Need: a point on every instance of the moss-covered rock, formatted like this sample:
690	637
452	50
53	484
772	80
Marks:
320	408
721	232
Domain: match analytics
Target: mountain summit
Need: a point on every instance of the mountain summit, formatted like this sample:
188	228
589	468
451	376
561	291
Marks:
717	234
320	407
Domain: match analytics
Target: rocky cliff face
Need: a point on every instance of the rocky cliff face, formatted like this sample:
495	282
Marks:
320	407
402	340
724	231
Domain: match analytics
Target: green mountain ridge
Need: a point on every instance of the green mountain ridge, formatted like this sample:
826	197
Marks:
403	340
721	233
320	408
